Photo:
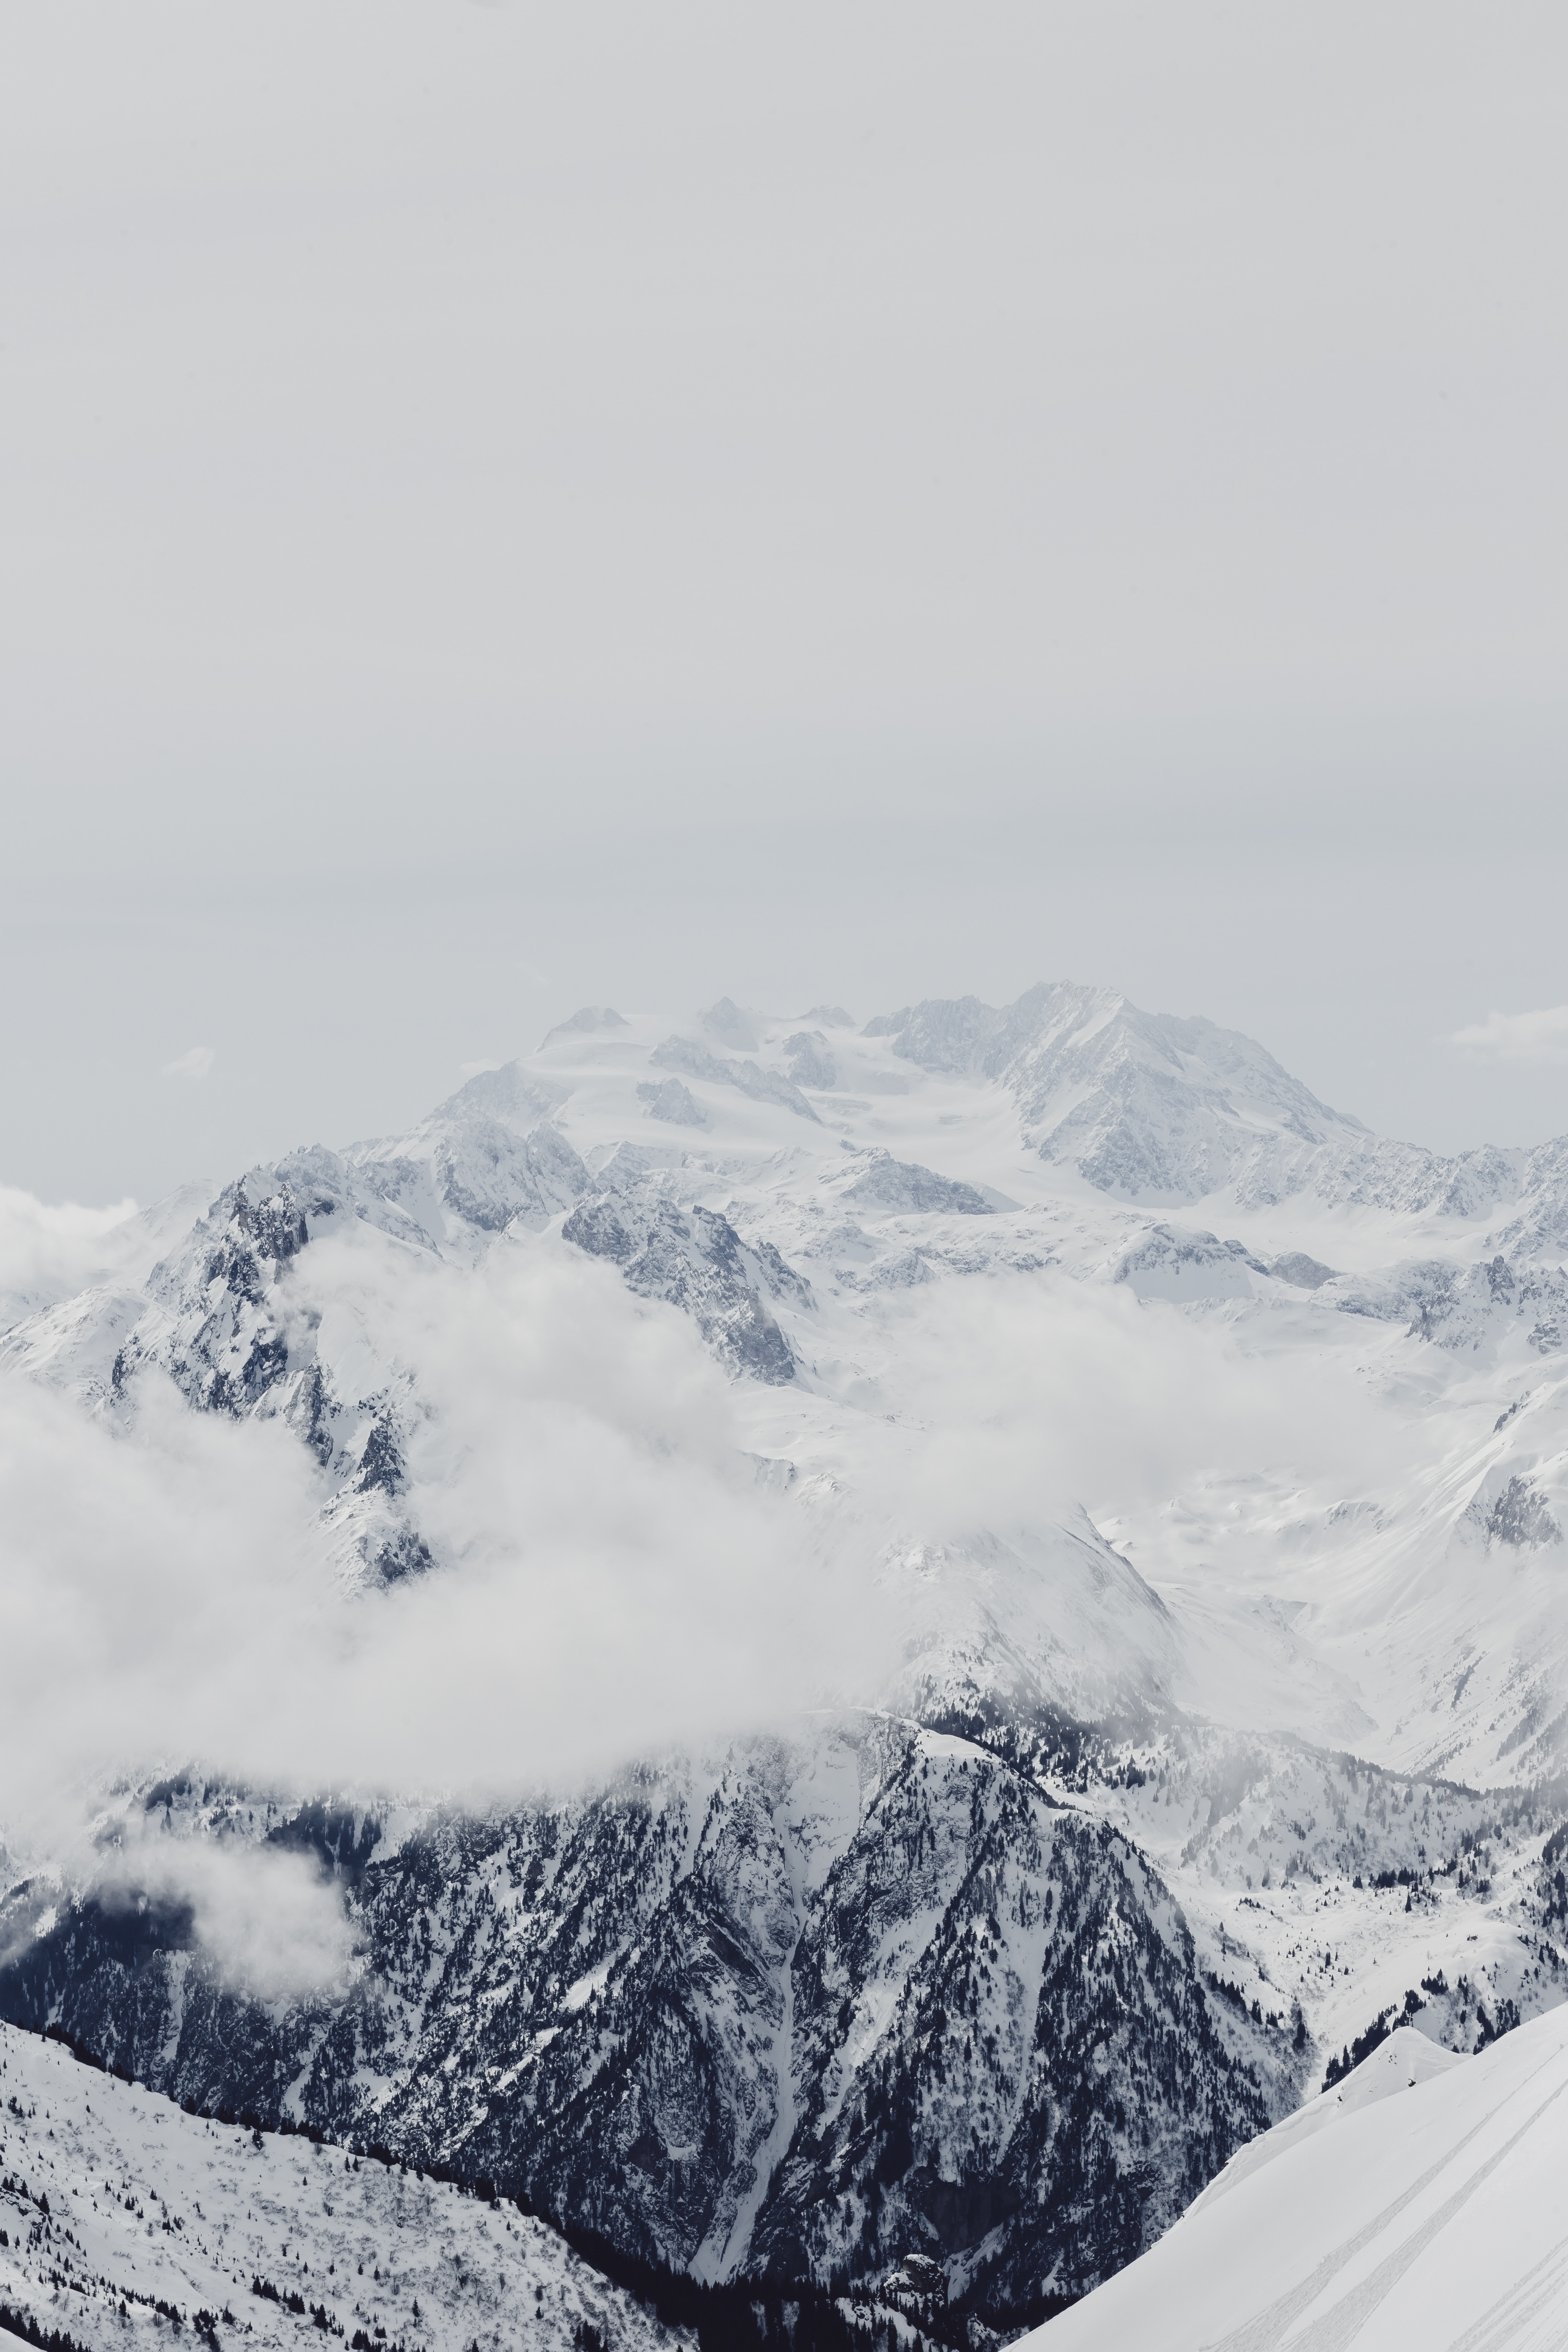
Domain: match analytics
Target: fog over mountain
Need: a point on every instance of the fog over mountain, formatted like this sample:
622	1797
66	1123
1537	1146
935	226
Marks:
815	1642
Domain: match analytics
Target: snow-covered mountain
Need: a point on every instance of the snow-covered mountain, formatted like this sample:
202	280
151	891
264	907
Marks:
810	2009
1418	2204
1199	1461
957	1161
123	2220
762	2012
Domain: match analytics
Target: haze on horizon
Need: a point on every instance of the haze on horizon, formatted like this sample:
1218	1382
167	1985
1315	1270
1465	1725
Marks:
506	510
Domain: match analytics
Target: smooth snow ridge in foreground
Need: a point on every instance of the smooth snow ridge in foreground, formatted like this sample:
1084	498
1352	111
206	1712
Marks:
1418	2209
114	2201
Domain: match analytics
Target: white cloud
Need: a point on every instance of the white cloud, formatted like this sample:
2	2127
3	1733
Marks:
612	1578
1539	1036
196	1063
475	1069
269	1921
49	1249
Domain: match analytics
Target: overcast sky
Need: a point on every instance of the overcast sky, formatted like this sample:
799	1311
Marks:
507	506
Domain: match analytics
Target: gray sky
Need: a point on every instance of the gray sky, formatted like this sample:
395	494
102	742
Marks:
505	506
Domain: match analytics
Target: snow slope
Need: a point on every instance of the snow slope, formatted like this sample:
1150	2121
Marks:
1416	2208
115	2202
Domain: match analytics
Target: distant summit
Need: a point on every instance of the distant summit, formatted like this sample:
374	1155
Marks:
1161	1110
591	1017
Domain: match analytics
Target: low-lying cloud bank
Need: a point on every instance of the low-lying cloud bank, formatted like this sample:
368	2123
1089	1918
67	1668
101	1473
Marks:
49	1249
611	1576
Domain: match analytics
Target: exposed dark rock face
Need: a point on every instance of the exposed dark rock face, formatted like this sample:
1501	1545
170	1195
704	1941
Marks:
1466	1310
402	1551
216	1327
380	1464
1303	1272
805	2012
1519	1517
694	1259
1049	2090
343	1843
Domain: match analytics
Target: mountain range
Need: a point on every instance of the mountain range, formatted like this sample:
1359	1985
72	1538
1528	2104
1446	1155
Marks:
1185	1468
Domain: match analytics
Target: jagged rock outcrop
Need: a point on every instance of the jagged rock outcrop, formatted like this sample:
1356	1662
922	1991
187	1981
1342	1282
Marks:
694	1259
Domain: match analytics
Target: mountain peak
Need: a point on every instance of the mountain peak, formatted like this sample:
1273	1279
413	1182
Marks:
1146	1106
590	1018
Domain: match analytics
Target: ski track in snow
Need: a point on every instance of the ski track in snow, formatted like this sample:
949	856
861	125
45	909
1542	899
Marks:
1411	2211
